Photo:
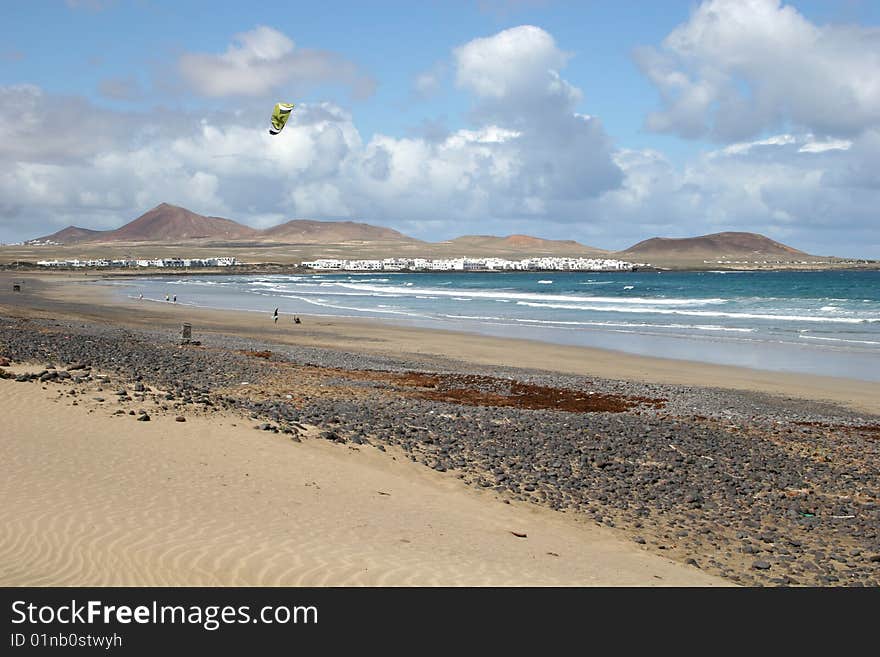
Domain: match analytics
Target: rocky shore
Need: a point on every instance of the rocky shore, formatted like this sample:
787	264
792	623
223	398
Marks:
759	489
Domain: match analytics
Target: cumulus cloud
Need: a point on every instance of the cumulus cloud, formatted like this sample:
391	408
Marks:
30	127
739	67
521	65
800	189
515	79
264	60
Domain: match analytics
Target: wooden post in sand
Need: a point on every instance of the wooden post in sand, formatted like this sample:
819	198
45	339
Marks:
186	333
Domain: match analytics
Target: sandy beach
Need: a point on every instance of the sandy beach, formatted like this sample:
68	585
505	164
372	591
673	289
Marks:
95	499
357	453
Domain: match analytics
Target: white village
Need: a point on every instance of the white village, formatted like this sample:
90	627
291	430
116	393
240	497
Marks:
471	264
548	263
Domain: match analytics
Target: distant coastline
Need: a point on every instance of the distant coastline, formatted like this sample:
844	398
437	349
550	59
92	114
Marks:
291	268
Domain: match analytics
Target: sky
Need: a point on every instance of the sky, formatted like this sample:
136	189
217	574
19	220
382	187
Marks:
605	122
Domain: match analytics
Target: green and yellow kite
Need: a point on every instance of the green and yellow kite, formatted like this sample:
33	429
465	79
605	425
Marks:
279	117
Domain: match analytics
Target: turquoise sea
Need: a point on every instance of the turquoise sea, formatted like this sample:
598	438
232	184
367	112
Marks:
816	322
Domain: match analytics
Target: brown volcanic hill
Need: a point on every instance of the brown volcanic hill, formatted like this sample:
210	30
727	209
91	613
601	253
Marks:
715	245
69	235
525	243
170	223
305	231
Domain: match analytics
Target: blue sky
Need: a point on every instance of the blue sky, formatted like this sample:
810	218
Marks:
393	41
607	122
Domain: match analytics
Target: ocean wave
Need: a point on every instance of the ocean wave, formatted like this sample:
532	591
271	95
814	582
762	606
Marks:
324	304
532	296
197	283
815	337
325	291
630	325
482	317
704	313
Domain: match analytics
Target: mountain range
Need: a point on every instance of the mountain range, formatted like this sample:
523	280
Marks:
171	223
168	223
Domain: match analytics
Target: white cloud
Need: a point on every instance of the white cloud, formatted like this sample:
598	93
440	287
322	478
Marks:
795	189
264	60
520	64
515	78
739	67
35	127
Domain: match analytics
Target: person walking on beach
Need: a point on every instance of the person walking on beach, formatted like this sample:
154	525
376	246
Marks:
275	316
166	297
175	298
